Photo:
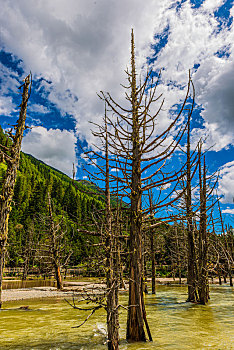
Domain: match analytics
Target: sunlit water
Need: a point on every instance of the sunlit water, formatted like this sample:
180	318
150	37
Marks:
174	323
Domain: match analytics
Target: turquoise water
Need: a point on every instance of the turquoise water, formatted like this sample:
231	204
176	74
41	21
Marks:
174	323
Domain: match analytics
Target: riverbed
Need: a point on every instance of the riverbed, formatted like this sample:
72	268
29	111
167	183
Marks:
175	324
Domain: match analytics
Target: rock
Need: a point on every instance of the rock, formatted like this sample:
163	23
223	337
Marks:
24	307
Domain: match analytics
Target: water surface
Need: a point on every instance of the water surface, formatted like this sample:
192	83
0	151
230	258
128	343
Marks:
175	324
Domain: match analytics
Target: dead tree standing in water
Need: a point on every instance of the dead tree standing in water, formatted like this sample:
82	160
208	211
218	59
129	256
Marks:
11	155
133	140
203	284
107	227
192	261
112	282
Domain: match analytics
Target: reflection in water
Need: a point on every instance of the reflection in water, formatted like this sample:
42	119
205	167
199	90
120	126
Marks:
174	323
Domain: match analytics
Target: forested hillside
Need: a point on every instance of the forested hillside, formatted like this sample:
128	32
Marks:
72	204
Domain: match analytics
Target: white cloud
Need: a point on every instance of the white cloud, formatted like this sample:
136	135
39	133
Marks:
6	105
37	108
53	146
211	136
217	99
79	45
166	186
83	46
10	78
195	39
228	211
212	5
115	170
226	183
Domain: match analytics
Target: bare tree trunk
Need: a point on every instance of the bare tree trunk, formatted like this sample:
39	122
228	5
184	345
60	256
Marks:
230	278
121	276
203	283
178	254
145	285
191	278
111	263
54	249
11	155
153	270
131	139
136	307
229	254
135	324
219	274
25	269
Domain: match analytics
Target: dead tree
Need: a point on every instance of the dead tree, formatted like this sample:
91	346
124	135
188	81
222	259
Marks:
28	250
106	225
178	250
192	259
203	283
152	245
111	262
53	251
55	246
226	245
197	239
11	155
133	141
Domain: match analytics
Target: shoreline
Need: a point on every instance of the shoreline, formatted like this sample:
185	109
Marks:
70	289
75	288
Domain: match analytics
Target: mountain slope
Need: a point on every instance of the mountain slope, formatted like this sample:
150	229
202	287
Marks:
72	203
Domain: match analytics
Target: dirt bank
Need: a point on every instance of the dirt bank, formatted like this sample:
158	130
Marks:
70	289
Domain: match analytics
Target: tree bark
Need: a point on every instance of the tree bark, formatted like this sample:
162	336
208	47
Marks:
203	283
191	277
136	308
153	269
54	248
111	262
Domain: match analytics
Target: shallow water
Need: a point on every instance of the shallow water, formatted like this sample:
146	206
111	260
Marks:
174	323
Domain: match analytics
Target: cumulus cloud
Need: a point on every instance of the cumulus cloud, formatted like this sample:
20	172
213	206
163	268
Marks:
6	105
54	147
195	40
37	108
83	47
226	183
80	46
10	78
217	100
228	211
211	136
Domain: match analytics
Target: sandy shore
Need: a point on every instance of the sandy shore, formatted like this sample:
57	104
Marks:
70	289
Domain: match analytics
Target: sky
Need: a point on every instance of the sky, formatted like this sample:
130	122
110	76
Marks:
75	48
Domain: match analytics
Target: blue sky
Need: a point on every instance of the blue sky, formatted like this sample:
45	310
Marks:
75	48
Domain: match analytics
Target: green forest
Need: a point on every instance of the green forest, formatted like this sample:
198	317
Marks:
71	202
